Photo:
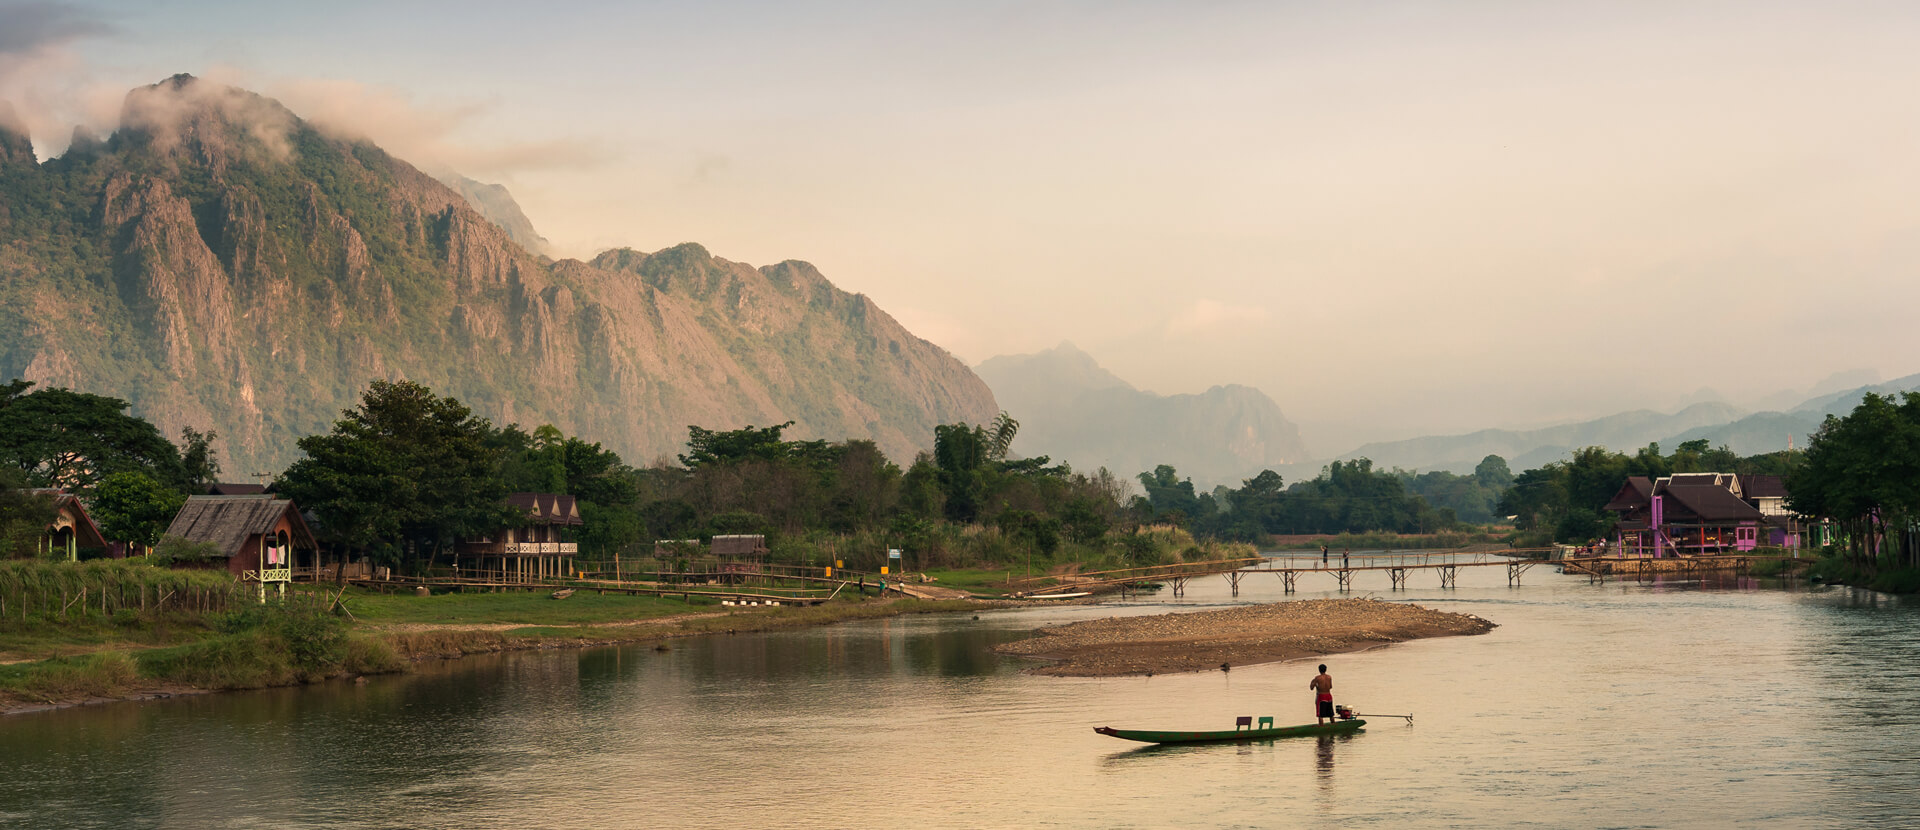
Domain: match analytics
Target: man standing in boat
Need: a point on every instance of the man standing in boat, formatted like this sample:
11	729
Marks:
1322	687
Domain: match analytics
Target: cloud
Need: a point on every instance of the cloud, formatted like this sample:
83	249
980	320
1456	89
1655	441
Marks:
166	109
27	29
427	136
1206	316
40	75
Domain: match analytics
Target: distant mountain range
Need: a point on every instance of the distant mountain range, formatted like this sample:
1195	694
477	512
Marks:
1719	423
222	264
1073	410
1768	431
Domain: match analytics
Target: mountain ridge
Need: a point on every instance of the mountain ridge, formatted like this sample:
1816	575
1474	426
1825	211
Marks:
1072	409
220	263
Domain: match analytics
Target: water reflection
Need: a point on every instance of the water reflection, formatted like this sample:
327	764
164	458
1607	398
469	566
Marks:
1801	708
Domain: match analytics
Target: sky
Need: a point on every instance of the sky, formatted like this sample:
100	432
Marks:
1394	218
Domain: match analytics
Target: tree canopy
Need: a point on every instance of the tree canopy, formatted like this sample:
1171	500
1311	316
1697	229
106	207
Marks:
60	438
1863	472
405	465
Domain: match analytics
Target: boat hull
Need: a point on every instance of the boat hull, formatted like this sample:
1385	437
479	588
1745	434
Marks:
1301	731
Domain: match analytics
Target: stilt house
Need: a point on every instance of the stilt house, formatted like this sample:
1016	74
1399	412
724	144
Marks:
740	554
1700	513
538	550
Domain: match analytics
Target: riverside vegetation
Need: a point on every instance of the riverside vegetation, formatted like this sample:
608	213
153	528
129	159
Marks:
113	629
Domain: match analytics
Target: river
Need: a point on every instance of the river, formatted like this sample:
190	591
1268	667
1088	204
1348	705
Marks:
1730	704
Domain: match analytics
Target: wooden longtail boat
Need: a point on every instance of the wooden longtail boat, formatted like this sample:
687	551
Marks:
1303	730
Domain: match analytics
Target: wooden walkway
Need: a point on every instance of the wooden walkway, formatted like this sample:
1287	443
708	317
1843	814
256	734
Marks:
1399	567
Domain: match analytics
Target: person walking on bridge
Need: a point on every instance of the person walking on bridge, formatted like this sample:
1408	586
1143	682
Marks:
1343	558
1323	555
1322	687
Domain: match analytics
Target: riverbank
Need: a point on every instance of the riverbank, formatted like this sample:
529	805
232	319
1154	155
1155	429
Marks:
272	650
1212	640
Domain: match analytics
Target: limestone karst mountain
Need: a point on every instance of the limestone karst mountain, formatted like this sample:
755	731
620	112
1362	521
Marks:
1073	410
497	205
222	264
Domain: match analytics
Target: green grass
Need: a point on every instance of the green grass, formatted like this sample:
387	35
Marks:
975	580
257	646
585	607
1888	580
54	638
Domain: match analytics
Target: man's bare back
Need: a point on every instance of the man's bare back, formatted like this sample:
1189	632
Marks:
1322	687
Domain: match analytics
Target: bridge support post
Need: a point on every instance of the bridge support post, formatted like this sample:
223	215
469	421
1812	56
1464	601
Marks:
1345	576
1447	575
1399	576
1179	586
1233	578
1287	579
1515	569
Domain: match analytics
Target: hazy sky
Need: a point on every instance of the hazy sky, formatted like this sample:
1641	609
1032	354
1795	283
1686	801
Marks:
1394	218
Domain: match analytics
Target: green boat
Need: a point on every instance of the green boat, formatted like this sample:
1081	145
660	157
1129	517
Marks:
1158	737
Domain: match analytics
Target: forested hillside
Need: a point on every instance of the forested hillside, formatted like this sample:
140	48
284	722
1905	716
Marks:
224	265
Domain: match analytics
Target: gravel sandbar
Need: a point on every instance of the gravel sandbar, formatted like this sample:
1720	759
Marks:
1207	640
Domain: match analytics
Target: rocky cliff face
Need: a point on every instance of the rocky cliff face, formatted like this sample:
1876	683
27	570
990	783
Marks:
1072	409
221	264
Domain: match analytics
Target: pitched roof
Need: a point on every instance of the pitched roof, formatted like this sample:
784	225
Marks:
739	545
1694	479
88	533
222	488
548	508
227	521
1637	492
1713	503
1764	487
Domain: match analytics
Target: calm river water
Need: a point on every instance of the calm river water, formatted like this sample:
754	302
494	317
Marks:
1615	705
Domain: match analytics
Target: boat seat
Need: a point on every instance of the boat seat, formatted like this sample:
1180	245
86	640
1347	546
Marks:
1243	720
1266	722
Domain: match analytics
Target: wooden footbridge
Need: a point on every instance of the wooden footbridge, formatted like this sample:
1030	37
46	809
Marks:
1400	567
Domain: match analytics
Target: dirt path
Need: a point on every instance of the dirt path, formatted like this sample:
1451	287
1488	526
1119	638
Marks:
1208	640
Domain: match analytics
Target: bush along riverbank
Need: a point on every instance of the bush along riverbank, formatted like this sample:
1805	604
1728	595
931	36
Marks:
48	661
1885	577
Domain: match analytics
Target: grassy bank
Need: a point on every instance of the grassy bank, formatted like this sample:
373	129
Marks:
293	643
1887	579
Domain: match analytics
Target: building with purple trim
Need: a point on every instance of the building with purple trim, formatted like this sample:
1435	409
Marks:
1701	513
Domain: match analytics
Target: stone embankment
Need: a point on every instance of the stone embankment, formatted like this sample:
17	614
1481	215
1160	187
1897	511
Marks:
1208	640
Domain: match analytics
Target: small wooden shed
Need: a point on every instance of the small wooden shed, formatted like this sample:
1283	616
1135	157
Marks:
740	554
260	534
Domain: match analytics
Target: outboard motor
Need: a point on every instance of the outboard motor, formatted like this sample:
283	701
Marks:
1343	712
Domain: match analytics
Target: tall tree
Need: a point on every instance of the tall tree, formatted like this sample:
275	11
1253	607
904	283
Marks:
1863	472
59	438
199	463
135	509
405	465
24	515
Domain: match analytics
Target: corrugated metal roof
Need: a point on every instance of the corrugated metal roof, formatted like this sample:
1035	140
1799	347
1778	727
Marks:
739	545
